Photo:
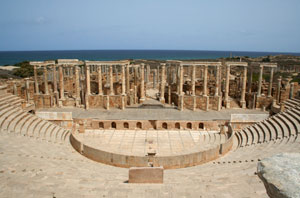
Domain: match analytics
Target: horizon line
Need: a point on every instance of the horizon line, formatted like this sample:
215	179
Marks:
145	50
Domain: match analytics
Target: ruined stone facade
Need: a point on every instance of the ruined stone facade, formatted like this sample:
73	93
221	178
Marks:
185	84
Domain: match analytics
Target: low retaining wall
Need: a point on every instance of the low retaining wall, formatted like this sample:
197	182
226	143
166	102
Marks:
151	124
167	162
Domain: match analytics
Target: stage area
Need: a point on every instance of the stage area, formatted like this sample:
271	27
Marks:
153	113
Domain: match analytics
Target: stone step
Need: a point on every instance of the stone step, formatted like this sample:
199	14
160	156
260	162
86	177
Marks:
282	126
270	129
288	105
7	116
31	129
241	135
12	100
292	102
255	137
2	96
11	118
296	100
276	128
8	108
13	122
260	133
266	131
295	116
39	129
45	130
27	125
288	123
293	119
296	111
19	127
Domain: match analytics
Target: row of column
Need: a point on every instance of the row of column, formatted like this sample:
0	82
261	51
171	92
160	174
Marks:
261	69
111	80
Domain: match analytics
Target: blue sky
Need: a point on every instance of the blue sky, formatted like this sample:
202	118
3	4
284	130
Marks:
235	25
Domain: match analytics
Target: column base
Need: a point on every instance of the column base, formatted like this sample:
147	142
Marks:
227	104
123	102
107	102
207	103
162	100
243	104
60	102
77	102
87	104
194	103
180	103
141	100
219	103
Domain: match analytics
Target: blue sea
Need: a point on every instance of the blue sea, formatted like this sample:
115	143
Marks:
12	57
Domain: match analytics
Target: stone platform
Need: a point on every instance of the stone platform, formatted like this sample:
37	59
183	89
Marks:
137	113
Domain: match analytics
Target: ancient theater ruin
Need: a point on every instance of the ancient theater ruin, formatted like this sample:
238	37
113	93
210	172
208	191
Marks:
199	127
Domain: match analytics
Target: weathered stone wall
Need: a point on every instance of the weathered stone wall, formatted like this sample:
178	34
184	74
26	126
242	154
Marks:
168	162
264	101
152	124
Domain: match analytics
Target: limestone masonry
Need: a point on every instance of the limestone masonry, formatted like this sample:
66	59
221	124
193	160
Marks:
147	129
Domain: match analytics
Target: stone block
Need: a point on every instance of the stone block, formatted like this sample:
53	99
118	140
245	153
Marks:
280	175
146	175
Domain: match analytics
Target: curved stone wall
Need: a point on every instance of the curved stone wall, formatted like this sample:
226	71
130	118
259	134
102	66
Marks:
168	162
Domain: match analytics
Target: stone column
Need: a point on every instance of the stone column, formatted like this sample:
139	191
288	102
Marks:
260	81
178	79
46	80
88	86
278	89
217	80
77	85
127	79
117	73
100	91
111	80
15	89
193	80
55	86
123	88
243	101
27	90
157	75
142	88
271	82
205	81
162	83
87	79
36	84
169	94
292	90
227	103
54	79
61	83
123	80
173	70
180	90
147	74
154	78
250	80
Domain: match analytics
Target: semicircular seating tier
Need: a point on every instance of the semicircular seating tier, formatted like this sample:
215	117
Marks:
14	119
44	168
